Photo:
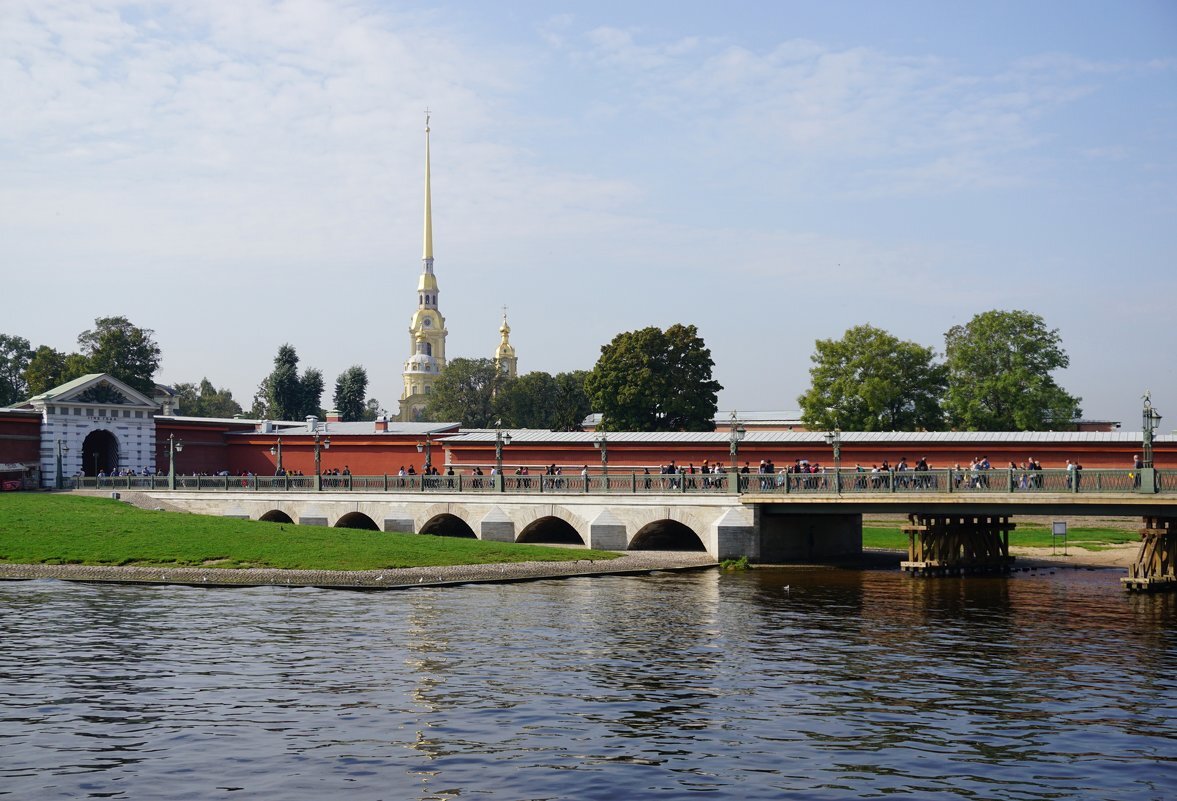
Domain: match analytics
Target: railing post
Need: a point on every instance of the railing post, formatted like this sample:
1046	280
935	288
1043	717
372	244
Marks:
386	482
634	485
1009	479
891	479
318	482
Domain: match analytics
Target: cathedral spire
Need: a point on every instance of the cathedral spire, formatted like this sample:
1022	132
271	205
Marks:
427	256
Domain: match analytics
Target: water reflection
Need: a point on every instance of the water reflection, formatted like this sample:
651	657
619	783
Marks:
766	684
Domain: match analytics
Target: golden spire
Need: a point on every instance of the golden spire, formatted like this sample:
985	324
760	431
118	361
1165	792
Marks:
428	254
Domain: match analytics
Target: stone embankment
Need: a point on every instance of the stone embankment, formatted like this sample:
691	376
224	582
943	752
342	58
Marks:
632	562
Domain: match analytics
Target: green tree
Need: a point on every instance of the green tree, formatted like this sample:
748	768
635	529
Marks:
311	392
15	354
572	401
871	381
283	394
999	374
127	352
350	390
528	401
205	400
371	410
465	392
49	368
653	380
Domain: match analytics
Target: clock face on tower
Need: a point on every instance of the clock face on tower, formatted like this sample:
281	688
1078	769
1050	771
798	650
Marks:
427	322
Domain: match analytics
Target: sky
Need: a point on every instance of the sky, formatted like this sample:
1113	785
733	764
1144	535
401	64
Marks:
239	174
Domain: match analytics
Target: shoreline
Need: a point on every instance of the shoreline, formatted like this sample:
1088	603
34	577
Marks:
629	563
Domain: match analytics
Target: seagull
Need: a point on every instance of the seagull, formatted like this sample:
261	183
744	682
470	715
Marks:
786	588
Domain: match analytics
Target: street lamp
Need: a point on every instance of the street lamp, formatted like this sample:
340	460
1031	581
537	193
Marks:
737	434
426	446
61	448
501	438
1151	421
320	442
276	450
174	446
834	440
601	443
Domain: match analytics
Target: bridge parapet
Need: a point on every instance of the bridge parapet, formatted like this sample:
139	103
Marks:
828	483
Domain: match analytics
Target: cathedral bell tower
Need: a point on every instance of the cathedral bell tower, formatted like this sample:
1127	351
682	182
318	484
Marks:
505	359
427	330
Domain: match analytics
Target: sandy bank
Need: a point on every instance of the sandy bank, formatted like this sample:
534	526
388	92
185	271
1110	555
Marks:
629	563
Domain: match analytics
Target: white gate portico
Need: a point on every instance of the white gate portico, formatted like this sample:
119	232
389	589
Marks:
94	424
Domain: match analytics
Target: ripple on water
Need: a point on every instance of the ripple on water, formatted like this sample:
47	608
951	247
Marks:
848	684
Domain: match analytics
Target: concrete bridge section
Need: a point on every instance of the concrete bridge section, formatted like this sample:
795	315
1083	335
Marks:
719	524
949	532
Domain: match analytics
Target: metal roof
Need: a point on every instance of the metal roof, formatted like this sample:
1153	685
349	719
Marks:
536	436
361	428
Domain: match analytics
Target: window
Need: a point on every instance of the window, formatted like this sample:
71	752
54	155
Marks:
49	410
77	411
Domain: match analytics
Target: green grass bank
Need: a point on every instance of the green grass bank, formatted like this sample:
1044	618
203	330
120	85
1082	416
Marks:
53	529
888	534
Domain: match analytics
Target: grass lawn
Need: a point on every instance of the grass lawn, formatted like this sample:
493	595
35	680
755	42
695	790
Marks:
43	528
884	534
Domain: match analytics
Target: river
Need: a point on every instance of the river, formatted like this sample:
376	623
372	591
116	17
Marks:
765	684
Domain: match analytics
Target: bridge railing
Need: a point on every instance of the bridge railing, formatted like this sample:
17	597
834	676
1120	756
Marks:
829	482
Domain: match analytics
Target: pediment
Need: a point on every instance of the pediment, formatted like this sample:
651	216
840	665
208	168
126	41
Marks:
98	388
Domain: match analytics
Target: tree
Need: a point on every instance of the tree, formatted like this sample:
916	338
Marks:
571	403
127	352
653	380
465	392
15	354
350	390
49	368
528	401
311	393
205	400
999	367
371	410
871	381
283	395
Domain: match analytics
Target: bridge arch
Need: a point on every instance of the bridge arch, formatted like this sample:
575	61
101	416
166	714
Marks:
448	525
552	530
357	520
666	535
527	517
276	516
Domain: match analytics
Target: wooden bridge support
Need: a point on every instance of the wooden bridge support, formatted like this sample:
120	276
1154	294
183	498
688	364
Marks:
944	545
1155	567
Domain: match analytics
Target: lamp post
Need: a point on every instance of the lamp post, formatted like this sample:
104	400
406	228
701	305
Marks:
324	443
1151	420
61	448
737	434
501	438
276	450
601	443
834	440
174	446
426	446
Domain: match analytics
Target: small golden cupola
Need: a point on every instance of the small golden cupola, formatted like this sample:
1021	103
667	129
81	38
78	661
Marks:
505	359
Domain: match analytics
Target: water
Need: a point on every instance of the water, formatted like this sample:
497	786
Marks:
847	684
